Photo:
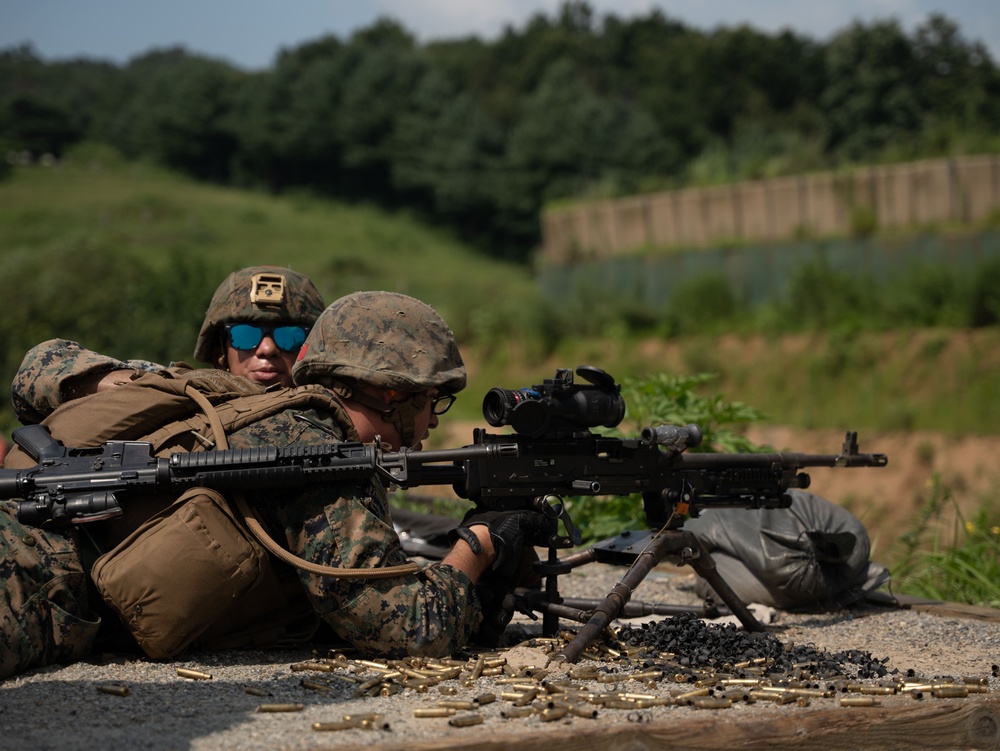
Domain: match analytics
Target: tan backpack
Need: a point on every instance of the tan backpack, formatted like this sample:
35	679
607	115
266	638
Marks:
230	594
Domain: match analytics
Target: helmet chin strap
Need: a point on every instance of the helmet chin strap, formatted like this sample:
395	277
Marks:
401	414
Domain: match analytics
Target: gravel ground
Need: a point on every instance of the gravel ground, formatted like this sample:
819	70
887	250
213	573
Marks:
75	707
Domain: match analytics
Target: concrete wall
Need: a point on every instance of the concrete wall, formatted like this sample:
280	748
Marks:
960	191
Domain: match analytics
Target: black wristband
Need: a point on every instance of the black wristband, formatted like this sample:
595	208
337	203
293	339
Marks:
470	537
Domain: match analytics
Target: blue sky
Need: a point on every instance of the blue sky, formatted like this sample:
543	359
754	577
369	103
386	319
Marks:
249	33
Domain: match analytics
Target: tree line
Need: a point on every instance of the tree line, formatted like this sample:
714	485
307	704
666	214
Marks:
480	135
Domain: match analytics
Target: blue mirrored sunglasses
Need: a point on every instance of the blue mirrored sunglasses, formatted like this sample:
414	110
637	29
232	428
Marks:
247	337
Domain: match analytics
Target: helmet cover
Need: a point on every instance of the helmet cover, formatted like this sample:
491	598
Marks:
258	294
385	339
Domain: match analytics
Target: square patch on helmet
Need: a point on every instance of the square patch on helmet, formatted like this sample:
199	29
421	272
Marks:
267	289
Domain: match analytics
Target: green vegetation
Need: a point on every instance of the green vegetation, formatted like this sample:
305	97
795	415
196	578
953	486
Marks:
480	135
124	257
957	565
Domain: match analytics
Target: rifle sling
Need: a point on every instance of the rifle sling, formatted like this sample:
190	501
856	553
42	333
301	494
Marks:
255	526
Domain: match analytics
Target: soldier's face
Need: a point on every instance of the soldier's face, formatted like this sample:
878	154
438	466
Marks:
370	422
265	364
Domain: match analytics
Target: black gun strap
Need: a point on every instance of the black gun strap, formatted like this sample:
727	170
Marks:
255	526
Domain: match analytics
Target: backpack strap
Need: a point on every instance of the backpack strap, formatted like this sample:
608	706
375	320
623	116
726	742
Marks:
237	412
253	523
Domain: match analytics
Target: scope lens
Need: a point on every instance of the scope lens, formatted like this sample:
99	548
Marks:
499	403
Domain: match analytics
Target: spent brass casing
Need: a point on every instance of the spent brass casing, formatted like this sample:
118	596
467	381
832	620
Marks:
950	692
281	707
485	699
621	704
465	720
555	713
458	704
254	691
515	712
363	717
576	710
113	689
646	675
638	697
877	690
434	712
370	684
478	666
194	675
859	701
525	698
321	667
707	702
515	680
334	725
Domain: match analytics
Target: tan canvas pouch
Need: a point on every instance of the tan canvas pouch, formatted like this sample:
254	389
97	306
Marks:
179	571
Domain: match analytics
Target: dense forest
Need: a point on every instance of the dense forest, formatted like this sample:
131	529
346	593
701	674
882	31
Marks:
481	135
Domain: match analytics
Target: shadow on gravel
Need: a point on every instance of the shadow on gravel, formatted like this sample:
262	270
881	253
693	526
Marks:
44	711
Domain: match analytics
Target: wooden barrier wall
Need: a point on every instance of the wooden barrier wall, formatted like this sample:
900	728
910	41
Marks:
959	191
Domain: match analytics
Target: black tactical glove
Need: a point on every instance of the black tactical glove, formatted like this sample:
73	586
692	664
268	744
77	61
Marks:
513	533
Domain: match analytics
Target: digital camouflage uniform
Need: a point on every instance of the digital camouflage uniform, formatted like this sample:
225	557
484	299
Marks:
44	612
432	612
37	389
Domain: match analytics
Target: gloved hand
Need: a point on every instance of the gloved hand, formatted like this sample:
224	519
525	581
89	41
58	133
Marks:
513	533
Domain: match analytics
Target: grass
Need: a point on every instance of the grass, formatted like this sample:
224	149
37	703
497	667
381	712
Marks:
95	203
960	564
99	209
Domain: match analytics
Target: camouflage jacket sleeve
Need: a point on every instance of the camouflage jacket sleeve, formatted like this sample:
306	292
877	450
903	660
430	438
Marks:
433	612
38	387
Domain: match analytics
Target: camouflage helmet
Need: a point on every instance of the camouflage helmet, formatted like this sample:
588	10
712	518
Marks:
385	339
258	294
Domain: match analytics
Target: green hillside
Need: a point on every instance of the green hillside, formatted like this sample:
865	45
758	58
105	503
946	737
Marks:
124	258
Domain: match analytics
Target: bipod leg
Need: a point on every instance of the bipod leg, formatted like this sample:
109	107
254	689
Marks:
662	544
552	569
695	555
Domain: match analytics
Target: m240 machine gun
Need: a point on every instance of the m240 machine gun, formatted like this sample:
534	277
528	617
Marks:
552	454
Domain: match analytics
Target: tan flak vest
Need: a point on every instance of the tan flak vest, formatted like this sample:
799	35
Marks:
231	593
